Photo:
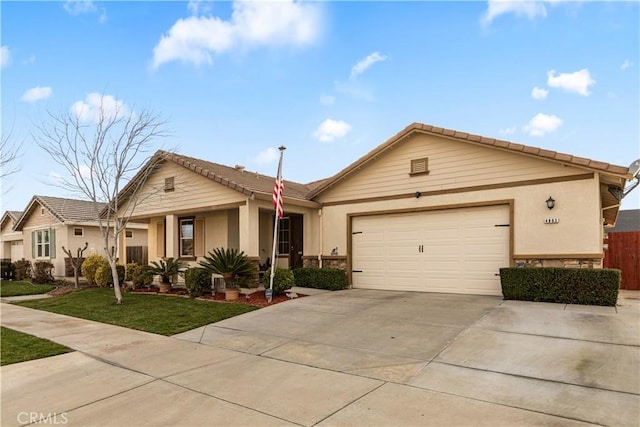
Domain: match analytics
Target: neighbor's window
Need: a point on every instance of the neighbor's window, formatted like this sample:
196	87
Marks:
419	166
128	234
168	184
42	243
186	237
78	232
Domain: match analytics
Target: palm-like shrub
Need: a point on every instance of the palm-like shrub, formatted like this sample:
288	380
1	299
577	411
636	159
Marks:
167	268
230	263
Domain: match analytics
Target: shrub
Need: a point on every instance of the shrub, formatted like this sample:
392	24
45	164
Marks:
197	281
331	279
143	276
562	285
8	270
91	265
131	270
104	277
42	272
22	269
282	280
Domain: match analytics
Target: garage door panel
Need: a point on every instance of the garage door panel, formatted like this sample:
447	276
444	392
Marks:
455	250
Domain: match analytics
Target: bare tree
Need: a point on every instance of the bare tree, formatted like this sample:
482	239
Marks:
8	155
76	262
101	156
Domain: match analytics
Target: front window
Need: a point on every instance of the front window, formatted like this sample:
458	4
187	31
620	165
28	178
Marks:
283	236
186	237
42	243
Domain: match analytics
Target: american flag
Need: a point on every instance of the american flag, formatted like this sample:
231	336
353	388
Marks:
278	189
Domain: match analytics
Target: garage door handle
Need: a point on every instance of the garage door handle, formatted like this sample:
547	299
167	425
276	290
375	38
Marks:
356	271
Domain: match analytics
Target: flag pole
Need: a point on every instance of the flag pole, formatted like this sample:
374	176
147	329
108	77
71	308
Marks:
277	201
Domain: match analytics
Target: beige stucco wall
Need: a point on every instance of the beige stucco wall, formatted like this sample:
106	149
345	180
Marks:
577	208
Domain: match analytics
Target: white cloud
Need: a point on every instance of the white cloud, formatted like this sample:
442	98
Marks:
539	93
530	9
331	129
626	64
541	124
508	131
79	7
36	94
252	23
267	156
577	82
96	105
327	100
199	7
5	56
365	63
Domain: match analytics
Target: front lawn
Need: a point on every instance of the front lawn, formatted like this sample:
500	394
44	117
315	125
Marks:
19	347
165	315
12	289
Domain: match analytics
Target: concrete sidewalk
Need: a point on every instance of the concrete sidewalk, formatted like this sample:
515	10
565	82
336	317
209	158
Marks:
341	358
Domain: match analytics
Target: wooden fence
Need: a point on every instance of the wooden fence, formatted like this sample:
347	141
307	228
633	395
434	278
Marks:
139	254
624	254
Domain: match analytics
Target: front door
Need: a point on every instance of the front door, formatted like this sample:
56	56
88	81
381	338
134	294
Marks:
295	247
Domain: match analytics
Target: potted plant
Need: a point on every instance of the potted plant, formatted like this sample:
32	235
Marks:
167	270
231	264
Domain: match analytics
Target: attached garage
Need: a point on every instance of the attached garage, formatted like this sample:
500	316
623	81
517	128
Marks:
457	250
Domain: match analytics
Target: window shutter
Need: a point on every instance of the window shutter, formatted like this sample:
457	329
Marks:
199	237
52	243
160	239
33	245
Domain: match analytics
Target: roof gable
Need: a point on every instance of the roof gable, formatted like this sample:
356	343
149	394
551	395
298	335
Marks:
63	210
492	143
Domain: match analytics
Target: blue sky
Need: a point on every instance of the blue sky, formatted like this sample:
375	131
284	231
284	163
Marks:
329	80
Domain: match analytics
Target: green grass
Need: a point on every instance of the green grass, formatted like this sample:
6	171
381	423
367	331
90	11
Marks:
165	315
12	289
19	347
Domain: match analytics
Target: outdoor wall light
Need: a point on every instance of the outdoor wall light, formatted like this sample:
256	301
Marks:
418	194
550	202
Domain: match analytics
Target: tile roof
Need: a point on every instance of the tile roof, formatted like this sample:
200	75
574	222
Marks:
237	178
628	220
64	210
567	159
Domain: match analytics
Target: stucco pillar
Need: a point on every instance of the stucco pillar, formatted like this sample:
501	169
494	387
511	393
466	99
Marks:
123	247
171	236
249	232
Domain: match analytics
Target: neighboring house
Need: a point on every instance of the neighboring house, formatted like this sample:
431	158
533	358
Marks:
623	248
49	223
430	209
11	246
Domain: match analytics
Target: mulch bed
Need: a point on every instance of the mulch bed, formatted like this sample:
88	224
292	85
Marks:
257	299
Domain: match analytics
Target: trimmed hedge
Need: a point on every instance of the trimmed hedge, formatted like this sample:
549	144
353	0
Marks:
331	279
104	278
197	281
589	286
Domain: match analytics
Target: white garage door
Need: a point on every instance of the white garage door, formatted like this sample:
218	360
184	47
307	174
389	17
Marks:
453	250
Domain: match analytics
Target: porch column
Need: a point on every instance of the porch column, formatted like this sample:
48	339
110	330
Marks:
123	247
171	236
249	224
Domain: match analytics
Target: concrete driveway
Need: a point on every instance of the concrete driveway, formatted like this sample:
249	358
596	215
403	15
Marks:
354	357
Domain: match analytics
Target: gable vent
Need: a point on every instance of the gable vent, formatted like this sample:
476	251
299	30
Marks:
169	184
419	166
